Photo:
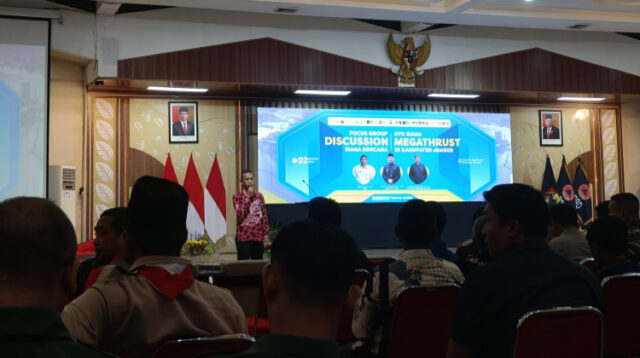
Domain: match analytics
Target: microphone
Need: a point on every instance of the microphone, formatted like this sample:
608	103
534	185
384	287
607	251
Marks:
309	186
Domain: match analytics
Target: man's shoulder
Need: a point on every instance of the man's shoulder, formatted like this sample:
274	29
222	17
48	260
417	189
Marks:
211	290
449	266
215	295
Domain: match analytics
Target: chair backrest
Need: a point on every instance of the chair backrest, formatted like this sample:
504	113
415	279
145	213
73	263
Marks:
622	313
195	347
375	261
421	323
244	280
589	263
345	333
560	332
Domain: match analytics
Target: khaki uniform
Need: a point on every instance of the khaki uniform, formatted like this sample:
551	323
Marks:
127	315
571	244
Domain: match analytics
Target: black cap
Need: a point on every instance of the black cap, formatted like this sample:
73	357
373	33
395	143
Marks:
157	216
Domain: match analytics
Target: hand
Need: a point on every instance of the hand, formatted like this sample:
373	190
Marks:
250	191
390	181
265	240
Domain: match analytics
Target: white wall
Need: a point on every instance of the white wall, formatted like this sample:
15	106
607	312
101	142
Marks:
66	125
630	118
111	38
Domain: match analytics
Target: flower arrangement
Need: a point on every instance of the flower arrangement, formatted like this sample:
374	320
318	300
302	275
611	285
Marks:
197	248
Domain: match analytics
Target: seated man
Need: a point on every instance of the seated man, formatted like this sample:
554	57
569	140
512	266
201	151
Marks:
525	275
626	207
416	265
108	243
37	275
158	299
328	211
306	287
566	239
437	246
608	239
475	253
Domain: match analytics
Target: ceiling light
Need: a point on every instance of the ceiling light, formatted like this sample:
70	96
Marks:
322	93
177	89
582	99
451	95
286	10
578	26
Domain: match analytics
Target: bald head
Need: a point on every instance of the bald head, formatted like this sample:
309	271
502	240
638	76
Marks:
37	244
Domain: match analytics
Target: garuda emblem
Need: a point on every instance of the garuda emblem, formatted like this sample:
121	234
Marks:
409	58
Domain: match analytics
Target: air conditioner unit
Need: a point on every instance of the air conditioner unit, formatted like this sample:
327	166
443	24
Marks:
62	189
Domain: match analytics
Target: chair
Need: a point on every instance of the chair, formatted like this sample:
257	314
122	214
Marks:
560	332
196	347
345	333
244	280
258	325
421	320
622	313
589	263
375	261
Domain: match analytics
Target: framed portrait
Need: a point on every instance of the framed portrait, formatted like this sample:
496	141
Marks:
550	127
183	122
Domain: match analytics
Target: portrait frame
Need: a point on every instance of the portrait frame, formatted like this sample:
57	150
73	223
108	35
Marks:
176	135
555	133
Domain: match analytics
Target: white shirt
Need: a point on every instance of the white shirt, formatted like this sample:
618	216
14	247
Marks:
363	174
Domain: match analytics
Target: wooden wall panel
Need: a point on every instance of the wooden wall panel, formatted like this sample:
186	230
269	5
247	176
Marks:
530	70
140	164
273	62
261	61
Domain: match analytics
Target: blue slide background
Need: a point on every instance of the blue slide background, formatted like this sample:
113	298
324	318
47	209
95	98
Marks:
296	164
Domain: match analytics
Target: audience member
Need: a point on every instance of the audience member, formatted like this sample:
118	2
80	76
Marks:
625	207
328	211
602	209
108	243
437	246
525	275
324	210
476	253
37	277
607	237
416	265
566	239
305	288
158	300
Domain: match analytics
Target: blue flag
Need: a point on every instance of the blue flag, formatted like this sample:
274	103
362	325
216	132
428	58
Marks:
582	200
564	185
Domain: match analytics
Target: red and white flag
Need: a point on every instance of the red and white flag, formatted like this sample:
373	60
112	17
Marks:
195	212
215	204
169	173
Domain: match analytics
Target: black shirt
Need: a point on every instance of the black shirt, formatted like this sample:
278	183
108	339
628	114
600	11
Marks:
529	276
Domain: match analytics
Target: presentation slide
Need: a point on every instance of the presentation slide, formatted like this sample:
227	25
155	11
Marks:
356	156
23	107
